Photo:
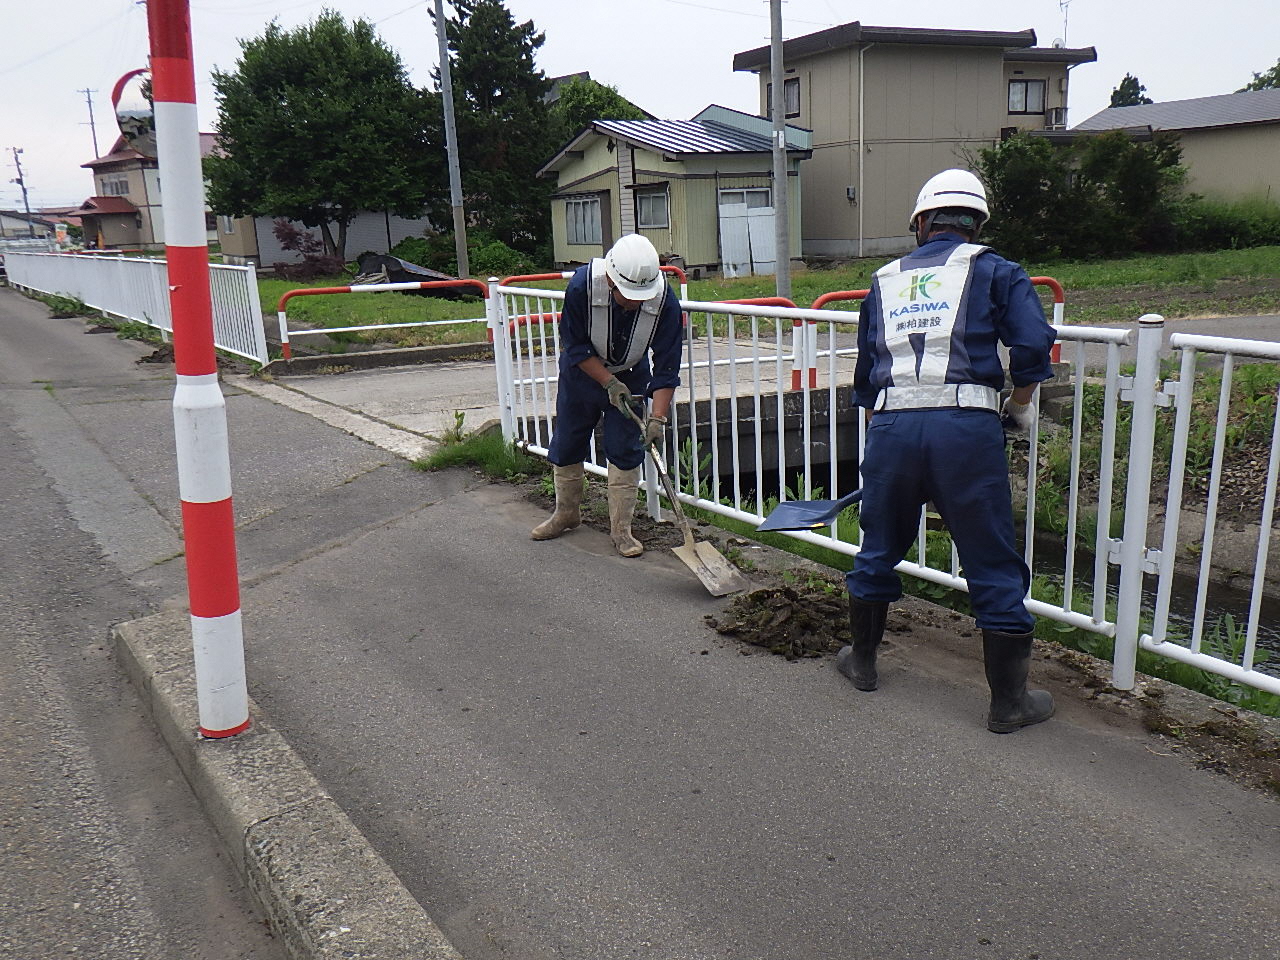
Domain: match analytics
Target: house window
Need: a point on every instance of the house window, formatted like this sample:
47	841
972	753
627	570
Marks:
582	217
1026	96
116	187
790	98
651	209
228	225
755	198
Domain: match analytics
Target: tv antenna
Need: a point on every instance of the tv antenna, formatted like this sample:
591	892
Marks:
1064	6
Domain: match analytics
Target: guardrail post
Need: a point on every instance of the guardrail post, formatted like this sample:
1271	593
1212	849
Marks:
1133	548
495	310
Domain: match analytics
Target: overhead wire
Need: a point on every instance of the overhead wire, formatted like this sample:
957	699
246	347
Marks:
10	68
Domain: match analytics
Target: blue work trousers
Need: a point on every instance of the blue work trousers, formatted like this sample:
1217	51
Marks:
955	458
580	402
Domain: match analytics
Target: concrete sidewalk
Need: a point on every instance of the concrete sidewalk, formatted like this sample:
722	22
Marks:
538	750
467	743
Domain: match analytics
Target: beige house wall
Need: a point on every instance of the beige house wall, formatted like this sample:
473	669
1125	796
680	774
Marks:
1056	80
1233	163
240	243
924	108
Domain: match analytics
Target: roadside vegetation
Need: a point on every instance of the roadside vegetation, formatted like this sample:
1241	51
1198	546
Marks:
1119	290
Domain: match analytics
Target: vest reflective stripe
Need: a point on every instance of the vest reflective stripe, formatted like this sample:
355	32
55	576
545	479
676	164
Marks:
920	307
949	395
642	330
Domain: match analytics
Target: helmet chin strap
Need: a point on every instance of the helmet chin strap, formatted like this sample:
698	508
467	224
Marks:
938	219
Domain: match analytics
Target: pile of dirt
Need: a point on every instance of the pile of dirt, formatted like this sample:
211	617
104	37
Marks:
787	622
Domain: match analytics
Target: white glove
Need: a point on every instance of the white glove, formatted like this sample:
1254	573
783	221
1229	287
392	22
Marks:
1017	416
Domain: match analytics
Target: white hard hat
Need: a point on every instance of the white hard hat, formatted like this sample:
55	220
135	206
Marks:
632	264
952	188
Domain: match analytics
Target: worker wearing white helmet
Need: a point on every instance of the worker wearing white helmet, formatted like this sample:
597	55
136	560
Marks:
618	310
930	374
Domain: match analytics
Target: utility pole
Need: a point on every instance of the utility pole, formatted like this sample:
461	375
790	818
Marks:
88	98
451	145
777	106
21	181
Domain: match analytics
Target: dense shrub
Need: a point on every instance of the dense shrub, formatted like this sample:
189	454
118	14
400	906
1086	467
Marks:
1098	197
1201	224
487	255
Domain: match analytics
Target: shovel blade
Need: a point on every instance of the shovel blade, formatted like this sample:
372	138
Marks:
717	574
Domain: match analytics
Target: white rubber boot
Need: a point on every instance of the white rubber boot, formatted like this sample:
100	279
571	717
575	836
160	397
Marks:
622	504
568	514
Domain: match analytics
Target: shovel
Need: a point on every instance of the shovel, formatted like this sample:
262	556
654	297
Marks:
717	574
807	514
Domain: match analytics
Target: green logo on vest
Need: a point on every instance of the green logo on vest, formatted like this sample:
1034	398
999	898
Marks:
920	284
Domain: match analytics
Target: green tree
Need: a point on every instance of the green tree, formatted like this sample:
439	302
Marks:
319	123
1027	186
1106	195
1267	80
505	132
583	100
1130	93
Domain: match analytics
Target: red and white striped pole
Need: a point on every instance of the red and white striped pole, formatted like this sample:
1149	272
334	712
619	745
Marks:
199	410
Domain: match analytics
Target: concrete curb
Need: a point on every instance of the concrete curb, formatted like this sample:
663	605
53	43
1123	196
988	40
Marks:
370	359
325	890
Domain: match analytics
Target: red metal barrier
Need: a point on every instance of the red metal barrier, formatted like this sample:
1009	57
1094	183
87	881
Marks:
836	295
363	288
1059	299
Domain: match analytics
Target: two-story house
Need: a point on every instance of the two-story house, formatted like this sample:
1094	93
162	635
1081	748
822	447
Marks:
891	106
124	211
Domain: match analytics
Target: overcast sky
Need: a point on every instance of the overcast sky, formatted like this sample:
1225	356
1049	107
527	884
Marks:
672	57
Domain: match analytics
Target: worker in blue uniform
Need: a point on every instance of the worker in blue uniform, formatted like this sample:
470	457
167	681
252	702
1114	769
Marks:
929	374
618	310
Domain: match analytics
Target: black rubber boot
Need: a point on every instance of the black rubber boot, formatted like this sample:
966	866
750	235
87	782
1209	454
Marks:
1008	660
858	660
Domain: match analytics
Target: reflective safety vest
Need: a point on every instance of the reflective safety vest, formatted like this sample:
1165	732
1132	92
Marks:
643	327
921	307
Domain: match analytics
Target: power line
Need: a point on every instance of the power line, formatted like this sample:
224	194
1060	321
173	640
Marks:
66	43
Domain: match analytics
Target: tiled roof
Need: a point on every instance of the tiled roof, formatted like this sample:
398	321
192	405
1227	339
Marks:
99	205
1230	109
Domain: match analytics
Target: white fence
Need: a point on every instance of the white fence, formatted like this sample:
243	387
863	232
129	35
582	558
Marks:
738	427
137	288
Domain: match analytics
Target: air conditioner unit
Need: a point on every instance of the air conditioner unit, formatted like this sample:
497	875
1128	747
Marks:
1055	118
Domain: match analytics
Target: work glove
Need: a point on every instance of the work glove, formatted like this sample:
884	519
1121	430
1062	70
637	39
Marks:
655	430
1017	417
618	393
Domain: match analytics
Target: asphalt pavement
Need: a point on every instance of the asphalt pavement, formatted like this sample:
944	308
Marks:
494	748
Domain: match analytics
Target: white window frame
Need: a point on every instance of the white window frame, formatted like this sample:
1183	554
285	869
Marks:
743	191
582	220
1020	91
652	193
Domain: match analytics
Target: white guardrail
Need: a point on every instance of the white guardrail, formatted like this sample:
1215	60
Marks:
742	422
137	288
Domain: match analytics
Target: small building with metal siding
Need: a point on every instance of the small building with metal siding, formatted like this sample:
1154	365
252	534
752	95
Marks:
615	174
